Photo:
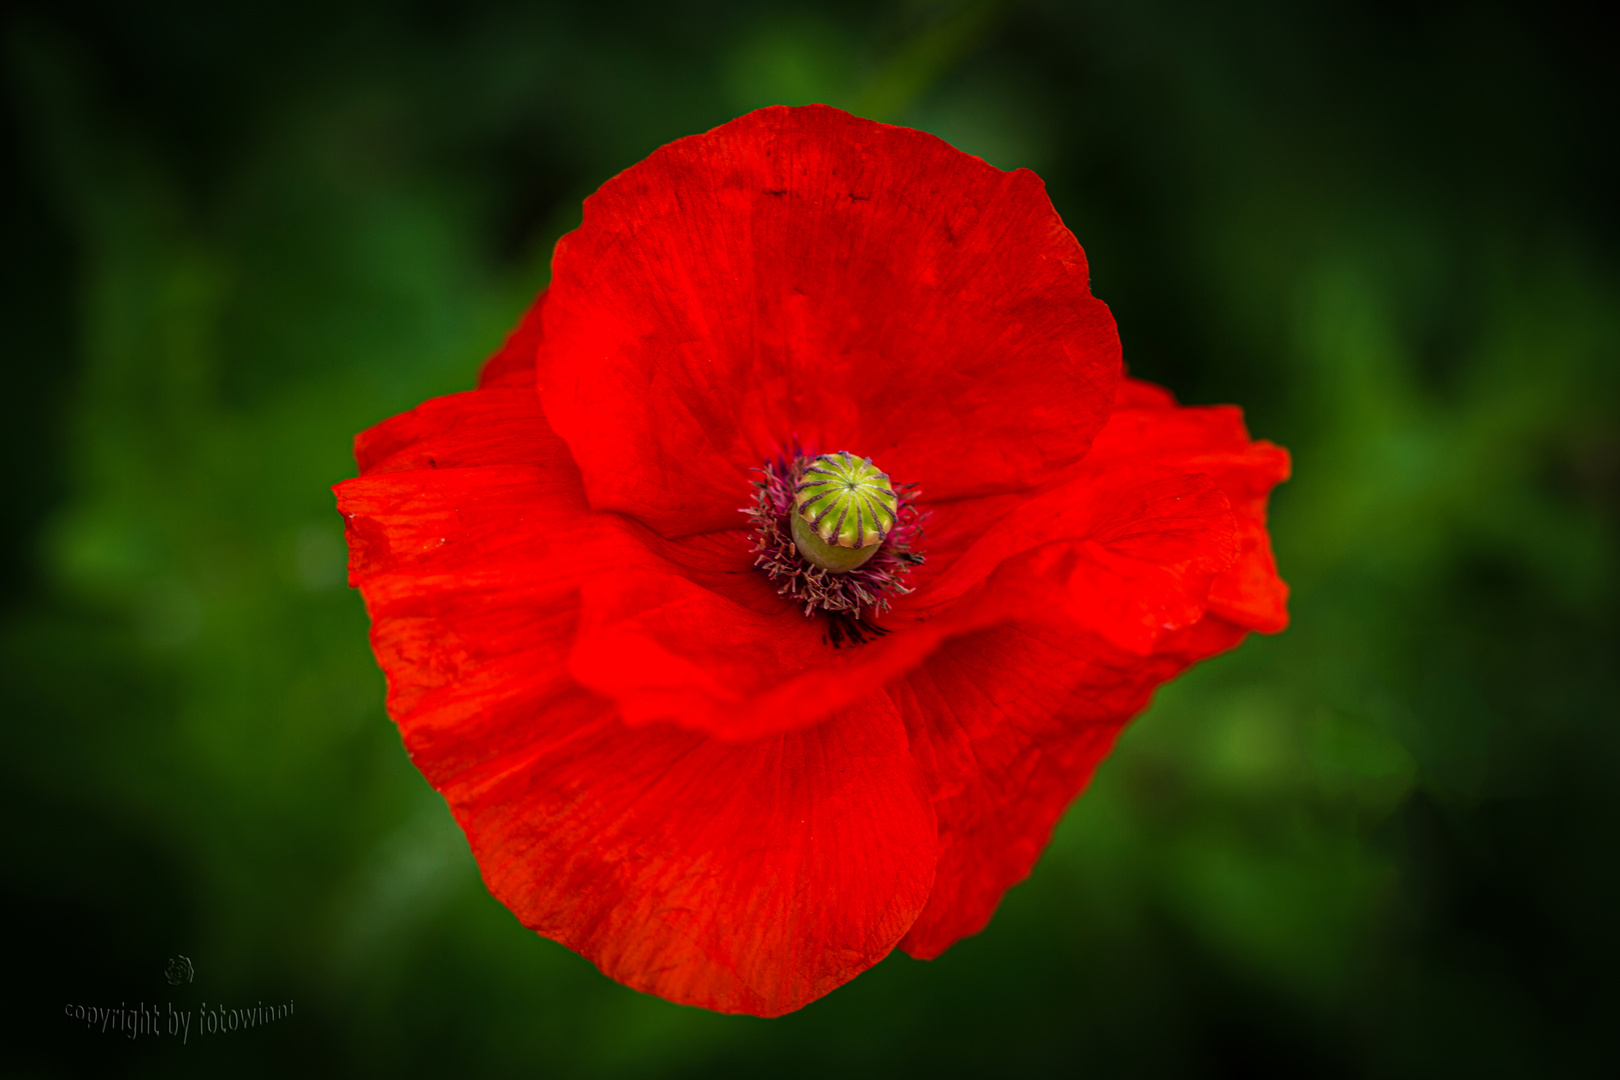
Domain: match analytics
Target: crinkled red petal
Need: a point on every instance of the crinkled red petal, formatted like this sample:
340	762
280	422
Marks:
1147	425
704	641
804	273
1009	724
739	878
1127	553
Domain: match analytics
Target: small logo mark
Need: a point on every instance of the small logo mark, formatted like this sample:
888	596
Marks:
179	970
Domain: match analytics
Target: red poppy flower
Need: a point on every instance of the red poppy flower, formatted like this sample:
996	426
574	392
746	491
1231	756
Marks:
725	776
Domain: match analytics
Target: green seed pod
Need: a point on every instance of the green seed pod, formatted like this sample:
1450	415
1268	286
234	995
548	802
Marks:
843	511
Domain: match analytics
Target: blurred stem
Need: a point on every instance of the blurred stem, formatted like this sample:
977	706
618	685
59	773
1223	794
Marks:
924	59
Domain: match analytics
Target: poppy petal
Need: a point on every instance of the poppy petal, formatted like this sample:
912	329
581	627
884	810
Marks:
642	849
724	656
1125	553
801	273
1008	726
472	429
1148	426
740	878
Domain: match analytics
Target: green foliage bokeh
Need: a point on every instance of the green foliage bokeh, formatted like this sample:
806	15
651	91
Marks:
1377	844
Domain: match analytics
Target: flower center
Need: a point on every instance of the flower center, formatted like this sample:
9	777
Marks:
843	510
836	538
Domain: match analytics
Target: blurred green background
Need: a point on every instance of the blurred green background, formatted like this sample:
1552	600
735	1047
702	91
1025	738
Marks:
1380	844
